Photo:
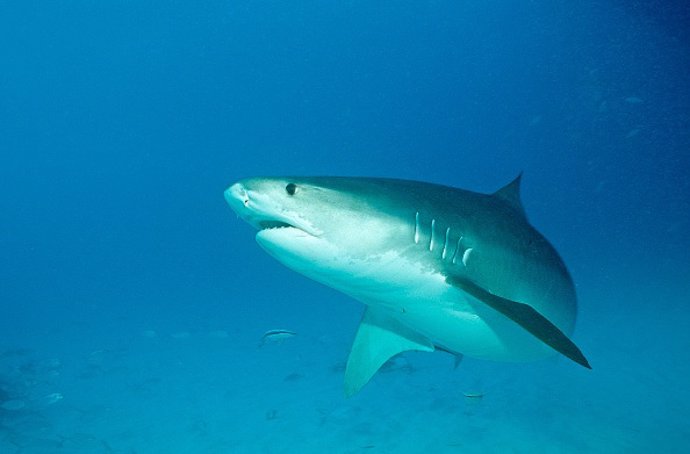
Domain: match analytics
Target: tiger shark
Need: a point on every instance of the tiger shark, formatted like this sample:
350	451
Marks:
437	267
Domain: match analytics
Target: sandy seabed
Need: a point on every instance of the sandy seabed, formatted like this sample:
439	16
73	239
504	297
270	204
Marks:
162	389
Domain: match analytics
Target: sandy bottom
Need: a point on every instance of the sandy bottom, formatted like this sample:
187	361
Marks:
177	389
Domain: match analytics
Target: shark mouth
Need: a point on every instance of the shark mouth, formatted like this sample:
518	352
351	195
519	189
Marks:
292	227
271	226
262	213
268	225
265	222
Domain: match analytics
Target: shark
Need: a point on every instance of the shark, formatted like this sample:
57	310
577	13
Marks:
437	267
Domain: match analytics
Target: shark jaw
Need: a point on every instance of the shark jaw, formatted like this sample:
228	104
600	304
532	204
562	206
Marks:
282	233
263	214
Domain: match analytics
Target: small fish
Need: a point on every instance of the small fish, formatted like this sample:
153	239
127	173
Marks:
52	398
473	395
276	336
295	376
13	405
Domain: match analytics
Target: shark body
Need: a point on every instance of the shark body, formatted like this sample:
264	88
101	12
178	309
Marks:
438	268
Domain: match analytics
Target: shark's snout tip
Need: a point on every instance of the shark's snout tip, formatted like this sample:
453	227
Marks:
234	193
236	196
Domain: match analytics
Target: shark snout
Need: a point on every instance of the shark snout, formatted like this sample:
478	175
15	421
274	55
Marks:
236	195
248	204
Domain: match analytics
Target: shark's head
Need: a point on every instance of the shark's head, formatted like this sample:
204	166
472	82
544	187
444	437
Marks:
314	225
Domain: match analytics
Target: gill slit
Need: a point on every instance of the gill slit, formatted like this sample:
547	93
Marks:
416	228
466	256
457	249
445	244
431	240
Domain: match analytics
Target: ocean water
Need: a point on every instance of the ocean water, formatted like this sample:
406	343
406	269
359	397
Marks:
133	300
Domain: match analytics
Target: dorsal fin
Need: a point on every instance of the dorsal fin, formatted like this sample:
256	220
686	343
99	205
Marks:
510	194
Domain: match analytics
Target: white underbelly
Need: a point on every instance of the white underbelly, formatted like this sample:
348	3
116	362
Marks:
416	296
451	318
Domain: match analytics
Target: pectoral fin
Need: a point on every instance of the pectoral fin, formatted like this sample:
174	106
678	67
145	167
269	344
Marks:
379	338
525	316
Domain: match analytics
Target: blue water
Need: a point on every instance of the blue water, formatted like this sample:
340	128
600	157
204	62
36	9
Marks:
133	300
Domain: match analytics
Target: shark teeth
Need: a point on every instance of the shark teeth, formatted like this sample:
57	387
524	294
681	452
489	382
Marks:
265	225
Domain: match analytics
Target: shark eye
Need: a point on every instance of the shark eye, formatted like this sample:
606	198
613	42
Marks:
291	188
